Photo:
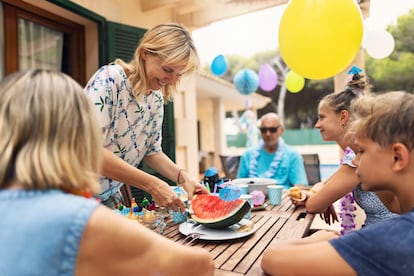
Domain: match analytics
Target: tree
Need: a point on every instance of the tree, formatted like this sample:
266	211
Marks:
396	71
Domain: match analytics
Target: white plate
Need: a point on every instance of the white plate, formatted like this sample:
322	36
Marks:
232	232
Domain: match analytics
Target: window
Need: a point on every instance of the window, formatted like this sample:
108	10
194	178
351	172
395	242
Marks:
39	46
37	38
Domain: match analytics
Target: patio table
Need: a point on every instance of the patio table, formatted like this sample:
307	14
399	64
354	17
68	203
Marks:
243	256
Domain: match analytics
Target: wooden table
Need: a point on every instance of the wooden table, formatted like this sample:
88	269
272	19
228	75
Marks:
243	256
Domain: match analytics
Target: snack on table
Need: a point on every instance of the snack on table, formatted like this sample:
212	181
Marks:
295	193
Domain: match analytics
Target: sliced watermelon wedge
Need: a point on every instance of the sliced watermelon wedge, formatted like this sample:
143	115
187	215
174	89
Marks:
213	212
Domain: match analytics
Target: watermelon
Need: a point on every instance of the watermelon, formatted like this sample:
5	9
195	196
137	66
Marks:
213	212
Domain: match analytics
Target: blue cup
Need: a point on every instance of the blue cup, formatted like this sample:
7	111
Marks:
179	217
275	194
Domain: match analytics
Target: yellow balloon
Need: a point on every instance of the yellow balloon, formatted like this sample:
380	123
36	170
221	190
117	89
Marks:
294	82
320	38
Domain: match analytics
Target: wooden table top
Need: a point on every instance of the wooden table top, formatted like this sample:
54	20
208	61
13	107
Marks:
243	256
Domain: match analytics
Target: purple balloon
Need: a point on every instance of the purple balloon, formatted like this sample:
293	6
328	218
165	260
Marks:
267	77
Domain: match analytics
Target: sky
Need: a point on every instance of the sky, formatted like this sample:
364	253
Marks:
257	32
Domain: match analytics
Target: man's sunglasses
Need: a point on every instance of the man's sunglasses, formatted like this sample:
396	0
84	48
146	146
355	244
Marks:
271	129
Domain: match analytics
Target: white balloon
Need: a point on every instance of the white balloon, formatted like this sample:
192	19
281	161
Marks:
373	23
378	43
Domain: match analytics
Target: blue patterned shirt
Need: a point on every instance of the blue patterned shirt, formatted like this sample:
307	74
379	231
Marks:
131	125
290	171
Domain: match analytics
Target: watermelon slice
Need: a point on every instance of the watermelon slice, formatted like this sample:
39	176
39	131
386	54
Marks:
213	212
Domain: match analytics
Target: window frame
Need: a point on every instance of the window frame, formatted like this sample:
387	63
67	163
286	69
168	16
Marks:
13	10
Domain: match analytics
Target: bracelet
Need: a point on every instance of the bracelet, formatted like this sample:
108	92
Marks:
178	178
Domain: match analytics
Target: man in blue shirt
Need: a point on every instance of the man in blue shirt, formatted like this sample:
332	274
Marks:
273	158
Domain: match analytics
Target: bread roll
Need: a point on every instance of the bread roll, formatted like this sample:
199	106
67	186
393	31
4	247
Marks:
295	193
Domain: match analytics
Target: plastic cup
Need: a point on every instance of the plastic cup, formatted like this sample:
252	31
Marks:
179	217
244	188
275	194
248	198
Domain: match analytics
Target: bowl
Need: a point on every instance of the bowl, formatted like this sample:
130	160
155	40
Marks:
256	184
151	219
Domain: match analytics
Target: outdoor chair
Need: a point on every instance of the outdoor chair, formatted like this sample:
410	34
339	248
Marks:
312	167
230	165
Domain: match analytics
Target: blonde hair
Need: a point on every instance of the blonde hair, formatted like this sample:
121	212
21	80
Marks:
172	43
385	119
50	137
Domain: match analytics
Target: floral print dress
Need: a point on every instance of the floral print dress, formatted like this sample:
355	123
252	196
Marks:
131	125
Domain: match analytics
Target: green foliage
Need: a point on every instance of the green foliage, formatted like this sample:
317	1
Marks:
403	33
392	74
396	71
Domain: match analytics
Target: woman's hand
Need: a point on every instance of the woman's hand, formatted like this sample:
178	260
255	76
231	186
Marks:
164	196
192	187
329	215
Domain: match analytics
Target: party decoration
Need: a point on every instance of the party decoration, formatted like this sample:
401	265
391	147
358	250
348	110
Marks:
145	202
346	214
378	43
258	198
354	70
294	82
246	81
267	77
230	193
319	39
219	65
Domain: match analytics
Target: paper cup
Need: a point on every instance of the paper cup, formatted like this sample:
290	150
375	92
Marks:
248	198
275	194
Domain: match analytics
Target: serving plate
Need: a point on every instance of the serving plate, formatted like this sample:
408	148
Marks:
239	230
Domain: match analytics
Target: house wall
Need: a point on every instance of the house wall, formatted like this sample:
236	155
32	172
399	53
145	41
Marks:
126	12
185	118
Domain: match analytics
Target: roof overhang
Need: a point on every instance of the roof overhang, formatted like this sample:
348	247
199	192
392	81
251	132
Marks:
211	87
199	13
